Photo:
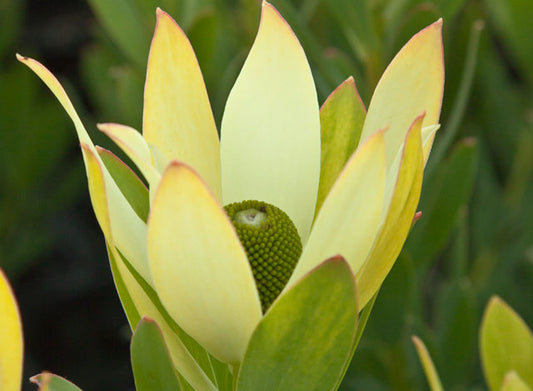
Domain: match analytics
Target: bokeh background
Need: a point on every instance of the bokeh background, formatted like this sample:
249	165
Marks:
475	238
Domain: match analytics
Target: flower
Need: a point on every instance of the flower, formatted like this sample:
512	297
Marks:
11	351
348	179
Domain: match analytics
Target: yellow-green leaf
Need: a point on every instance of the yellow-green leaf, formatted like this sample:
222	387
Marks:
50	382
150	360
513	382
305	338
341	122
128	182
432	375
506	344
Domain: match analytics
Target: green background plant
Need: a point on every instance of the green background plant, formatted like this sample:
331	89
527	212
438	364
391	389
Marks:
474	237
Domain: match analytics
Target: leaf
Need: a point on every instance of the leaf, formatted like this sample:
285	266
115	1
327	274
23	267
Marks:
150	360
125	25
305	338
128	182
444	195
341	121
361	325
50	382
193	359
513	382
11	12
132	314
429	369
512	19
456	329
506	344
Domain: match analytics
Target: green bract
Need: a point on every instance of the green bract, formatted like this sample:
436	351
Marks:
349	183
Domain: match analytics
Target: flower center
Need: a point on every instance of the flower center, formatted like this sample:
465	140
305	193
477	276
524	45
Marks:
272	245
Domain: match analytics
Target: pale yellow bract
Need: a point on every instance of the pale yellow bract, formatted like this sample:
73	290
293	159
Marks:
11	350
188	251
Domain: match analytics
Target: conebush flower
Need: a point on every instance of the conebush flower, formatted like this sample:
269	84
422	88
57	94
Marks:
246	250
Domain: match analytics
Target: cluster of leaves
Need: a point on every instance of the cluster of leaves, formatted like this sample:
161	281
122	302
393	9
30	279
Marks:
474	236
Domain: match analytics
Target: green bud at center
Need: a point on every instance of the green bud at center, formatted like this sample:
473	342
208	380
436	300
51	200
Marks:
272	245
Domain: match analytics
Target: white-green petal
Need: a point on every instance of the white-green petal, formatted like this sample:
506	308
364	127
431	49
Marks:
199	267
270	137
412	84
348	221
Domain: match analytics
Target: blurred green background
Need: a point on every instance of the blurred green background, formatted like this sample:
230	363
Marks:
475	237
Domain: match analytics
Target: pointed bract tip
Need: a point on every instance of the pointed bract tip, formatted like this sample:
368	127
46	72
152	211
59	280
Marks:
20	57
495	299
101	126
336	258
85	147
104	126
148	319
159	13
175	163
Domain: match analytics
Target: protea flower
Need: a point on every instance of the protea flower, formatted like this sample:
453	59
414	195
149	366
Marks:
231	232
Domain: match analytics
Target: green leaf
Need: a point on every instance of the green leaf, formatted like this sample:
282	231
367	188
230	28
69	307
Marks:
361	325
115	89
125	298
305	338
201	357
49	382
456	329
512	19
341	120
429	369
506	344
460	105
11	12
150	360
444	195
128	182
124	23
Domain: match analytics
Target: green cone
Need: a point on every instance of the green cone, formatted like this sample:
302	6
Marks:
272	245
